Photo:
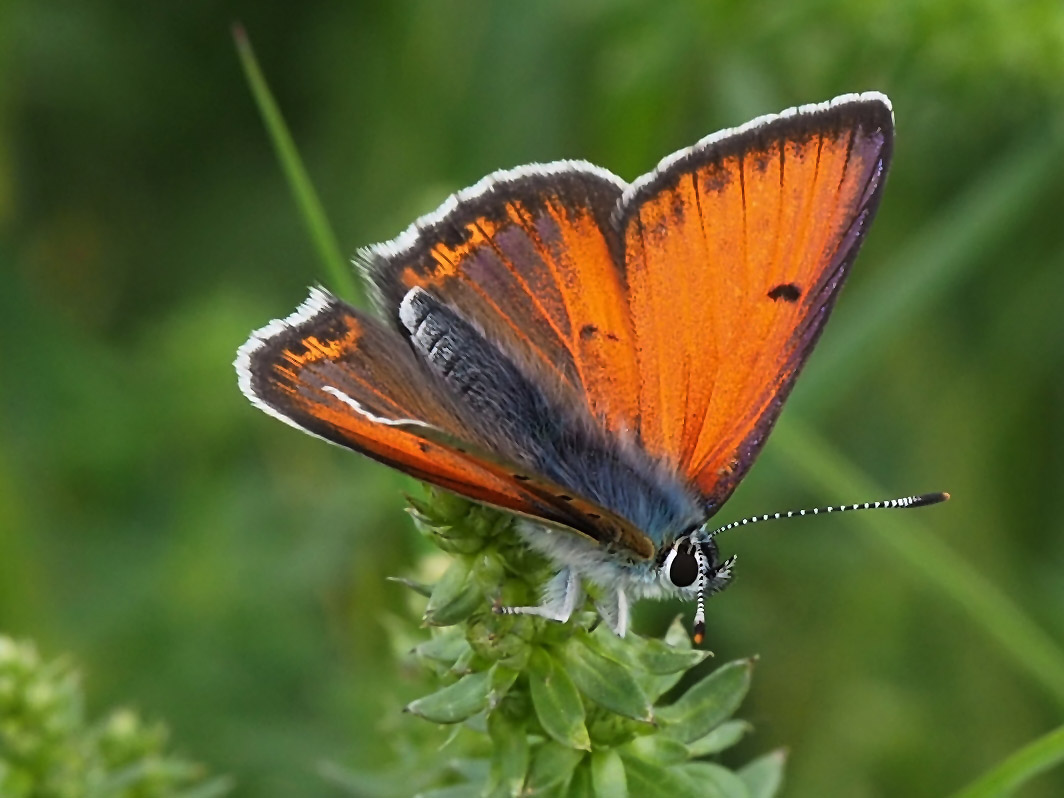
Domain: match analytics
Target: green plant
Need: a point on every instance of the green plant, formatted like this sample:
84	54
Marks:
49	749
542	708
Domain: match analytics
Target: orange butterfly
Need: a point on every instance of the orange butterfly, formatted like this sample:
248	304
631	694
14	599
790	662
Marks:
602	358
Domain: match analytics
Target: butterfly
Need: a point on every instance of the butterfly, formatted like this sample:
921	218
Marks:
603	359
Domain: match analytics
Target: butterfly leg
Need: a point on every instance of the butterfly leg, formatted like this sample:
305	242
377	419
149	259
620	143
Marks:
613	607
560	597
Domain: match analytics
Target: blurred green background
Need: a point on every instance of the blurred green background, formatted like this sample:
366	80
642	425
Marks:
221	571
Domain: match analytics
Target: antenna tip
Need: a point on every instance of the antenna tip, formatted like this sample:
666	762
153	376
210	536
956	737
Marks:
930	498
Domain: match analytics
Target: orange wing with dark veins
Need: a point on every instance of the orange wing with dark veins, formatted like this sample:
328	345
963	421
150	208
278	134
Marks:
334	372
735	251
530	257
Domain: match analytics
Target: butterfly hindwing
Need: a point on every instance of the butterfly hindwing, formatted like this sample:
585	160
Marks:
337	373
734	251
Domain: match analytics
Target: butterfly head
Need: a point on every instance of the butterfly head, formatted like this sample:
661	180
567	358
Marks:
691	566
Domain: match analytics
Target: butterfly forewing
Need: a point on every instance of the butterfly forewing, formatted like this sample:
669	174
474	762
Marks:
529	256
734	253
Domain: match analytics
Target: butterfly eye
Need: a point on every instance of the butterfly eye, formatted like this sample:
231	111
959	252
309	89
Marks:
683	567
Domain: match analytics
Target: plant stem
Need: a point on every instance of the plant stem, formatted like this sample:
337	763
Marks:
1034	758
321	233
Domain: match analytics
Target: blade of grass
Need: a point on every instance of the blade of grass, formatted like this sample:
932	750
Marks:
934	260
321	233
1029	647
1019	768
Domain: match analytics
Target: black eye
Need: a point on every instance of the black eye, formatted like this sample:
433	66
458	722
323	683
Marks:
683	570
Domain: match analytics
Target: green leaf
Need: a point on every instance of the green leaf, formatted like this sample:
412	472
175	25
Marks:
708	703
454	791
659	749
446	647
510	753
464	664
418	587
502	679
454	598
666	665
604	681
715	781
657	686
764	776
456	702
623	652
607	774
1019	768
581	786
462	529
723	737
659	657
648	780
552	765
677	635
422	510
557	702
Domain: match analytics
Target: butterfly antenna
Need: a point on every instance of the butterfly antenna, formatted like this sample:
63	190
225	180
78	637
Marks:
905	503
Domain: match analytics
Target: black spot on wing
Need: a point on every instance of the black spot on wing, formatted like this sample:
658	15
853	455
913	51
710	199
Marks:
590	331
788	292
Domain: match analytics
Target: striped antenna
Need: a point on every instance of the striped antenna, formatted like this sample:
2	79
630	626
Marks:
907	502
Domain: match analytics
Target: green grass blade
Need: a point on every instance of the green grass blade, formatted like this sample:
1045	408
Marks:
934	261
321	233
905	536
1031	760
